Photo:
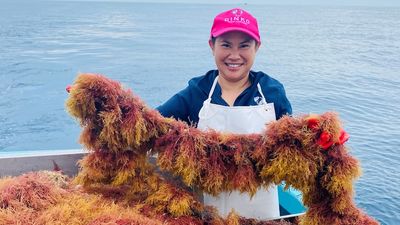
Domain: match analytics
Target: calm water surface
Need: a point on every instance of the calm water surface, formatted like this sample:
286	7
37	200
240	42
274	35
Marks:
344	59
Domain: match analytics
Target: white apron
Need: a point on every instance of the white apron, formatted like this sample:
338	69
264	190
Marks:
240	120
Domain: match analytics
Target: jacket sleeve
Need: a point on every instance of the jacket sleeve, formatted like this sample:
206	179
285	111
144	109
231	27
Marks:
177	106
275	92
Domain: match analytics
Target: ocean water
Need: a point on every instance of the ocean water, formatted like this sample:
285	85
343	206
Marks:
343	59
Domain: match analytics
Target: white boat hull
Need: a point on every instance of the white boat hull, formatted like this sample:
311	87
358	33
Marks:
66	160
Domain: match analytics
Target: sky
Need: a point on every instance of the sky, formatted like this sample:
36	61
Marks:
275	2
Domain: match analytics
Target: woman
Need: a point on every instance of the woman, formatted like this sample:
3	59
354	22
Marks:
234	99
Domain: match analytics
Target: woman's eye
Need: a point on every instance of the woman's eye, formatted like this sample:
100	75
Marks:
244	46
225	45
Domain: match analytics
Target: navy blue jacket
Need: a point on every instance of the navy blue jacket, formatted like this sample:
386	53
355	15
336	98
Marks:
186	104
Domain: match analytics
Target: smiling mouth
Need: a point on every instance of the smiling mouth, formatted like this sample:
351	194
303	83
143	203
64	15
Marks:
233	65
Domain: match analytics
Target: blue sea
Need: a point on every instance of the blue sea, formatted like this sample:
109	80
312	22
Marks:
343	59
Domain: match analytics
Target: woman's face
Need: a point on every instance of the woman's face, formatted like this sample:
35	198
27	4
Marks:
234	54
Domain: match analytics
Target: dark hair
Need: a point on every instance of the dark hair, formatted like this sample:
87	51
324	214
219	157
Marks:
213	39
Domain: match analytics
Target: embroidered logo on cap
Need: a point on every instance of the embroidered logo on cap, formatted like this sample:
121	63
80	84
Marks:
237	17
237	12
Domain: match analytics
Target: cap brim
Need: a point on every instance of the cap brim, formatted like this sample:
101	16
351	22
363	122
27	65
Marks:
228	29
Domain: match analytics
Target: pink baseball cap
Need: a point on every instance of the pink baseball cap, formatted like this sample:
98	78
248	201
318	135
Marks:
235	20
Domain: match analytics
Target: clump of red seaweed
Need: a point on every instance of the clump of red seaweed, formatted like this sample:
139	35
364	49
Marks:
306	152
118	184
21	198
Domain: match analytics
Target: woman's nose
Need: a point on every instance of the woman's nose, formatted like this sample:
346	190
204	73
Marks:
234	54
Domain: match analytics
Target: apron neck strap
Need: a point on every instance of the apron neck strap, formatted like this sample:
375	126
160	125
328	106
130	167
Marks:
212	88
261	93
